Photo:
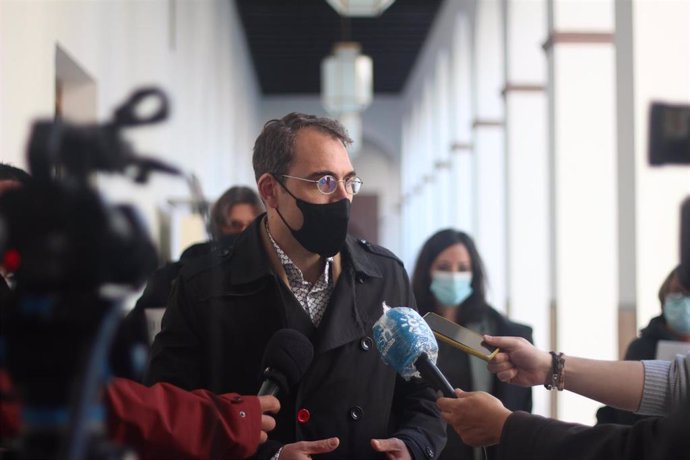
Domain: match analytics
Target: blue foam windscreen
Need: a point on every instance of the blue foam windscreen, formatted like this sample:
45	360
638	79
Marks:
401	335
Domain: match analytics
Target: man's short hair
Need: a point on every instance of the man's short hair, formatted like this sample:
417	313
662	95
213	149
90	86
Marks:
221	208
9	172
274	149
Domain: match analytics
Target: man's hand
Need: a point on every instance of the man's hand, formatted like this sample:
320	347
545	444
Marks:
477	417
304	449
271	405
518	361
394	448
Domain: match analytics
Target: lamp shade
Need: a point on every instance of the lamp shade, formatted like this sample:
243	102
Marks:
365	8
346	79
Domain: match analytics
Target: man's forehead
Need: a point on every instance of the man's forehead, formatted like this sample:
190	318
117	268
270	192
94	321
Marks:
319	152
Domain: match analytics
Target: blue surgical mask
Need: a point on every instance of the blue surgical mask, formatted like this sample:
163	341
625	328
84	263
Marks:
677	313
451	288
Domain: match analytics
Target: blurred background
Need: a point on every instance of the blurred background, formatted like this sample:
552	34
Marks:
521	122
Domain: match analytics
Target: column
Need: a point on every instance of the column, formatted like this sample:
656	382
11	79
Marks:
489	152
524	92
583	173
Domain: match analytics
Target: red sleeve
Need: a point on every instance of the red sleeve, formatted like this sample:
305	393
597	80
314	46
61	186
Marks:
164	421
10	408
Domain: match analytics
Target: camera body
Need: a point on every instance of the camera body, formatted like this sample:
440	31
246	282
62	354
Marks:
65	247
669	134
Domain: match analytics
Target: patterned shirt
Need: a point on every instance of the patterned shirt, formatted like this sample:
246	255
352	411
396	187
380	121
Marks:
313	297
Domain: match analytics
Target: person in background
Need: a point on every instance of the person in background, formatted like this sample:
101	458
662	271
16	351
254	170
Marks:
11	178
234	211
236	208
672	324
449	279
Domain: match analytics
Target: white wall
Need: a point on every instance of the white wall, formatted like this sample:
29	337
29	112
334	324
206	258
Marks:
194	50
661	51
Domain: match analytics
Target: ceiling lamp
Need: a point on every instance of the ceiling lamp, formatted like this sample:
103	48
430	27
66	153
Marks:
347	87
365	8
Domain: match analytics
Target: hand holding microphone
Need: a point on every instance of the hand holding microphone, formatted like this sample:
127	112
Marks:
408	345
269	405
287	357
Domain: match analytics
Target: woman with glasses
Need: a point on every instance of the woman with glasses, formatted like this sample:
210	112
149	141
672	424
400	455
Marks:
449	280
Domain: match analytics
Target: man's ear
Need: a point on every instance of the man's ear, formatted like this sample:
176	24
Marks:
268	189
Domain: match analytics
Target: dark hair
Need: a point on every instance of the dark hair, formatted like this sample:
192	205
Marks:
232	196
9	172
436	244
275	146
665	288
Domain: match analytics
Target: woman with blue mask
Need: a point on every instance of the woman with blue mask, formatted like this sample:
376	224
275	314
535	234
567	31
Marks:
449	280
672	324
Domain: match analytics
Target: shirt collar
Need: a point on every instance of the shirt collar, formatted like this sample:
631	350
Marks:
291	269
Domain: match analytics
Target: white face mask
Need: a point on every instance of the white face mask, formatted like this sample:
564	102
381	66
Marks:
451	288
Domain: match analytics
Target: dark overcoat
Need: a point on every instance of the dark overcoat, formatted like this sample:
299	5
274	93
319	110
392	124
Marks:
224	309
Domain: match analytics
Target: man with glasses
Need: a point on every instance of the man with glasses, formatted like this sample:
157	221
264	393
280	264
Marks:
296	267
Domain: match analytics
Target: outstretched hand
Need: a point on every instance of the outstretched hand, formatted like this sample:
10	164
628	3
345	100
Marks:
477	417
518	361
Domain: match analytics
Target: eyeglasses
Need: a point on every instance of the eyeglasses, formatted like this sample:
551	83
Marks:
327	184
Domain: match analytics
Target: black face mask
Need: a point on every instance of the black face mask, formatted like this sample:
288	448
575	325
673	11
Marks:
324	226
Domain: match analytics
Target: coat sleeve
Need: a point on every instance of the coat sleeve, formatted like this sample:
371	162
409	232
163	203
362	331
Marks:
527	436
176	355
164	421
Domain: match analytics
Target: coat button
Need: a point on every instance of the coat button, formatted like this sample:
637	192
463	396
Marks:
237	399
356	413
366	343
429	452
303	416
360	279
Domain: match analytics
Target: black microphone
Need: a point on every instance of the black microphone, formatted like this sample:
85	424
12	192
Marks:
287	357
433	375
684	270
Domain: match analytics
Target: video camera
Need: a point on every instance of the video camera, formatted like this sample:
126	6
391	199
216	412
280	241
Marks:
66	248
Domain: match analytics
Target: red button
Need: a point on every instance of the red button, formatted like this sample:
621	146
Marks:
11	260
303	415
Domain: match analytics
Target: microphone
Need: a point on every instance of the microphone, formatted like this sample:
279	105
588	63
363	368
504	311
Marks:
684	270
408	345
287	357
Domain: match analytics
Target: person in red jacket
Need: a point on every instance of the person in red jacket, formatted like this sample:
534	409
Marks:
163	421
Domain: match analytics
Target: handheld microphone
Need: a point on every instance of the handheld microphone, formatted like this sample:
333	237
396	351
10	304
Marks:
287	357
408	345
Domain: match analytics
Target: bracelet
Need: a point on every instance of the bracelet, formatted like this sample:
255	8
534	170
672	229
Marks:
557	377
